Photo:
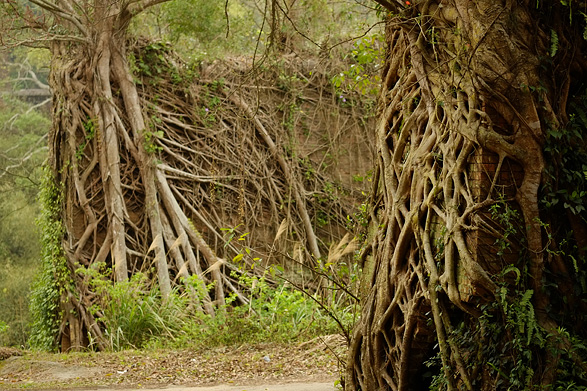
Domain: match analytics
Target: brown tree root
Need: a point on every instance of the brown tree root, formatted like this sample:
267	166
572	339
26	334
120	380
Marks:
460	161
156	167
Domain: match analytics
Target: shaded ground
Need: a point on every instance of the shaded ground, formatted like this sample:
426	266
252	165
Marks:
313	361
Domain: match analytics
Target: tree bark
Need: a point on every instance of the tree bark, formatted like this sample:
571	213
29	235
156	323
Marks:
466	109
155	164
99	156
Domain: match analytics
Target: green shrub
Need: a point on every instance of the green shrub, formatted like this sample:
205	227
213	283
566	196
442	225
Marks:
279	314
3	328
20	158
133	315
132	312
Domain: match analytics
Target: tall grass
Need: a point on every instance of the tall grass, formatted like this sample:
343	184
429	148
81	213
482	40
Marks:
135	316
133	312
274	314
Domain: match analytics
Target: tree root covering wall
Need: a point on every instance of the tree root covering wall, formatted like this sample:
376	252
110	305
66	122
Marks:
164	167
474	278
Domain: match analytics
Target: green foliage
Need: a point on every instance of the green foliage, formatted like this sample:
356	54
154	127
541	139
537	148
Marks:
22	62
20	131
90	130
277	308
37	59
504	341
211	102
22	152
507	344
150	62
3	327
154	62
135	316
150	137
566	151
133	311
201	19
199	27
324	197
205	30
272	312
14	291
362	76
53	278
508	341
509	220
19	245
565	193
279	314
553	43
289	111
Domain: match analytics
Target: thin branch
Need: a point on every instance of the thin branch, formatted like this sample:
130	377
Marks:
141	7
227	18
60	13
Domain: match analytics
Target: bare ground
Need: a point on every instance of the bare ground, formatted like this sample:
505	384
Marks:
264	364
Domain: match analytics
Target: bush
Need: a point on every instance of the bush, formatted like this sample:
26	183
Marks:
133	312
3	328
134	315
19	253
279	314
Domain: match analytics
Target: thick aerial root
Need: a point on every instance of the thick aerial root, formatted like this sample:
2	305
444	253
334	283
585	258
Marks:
156	168
456	209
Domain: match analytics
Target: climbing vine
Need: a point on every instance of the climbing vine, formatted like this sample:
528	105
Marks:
53	277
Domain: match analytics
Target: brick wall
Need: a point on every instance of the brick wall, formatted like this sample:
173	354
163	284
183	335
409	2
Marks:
482	171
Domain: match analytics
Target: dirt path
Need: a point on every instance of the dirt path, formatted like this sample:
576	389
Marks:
308	366
274	387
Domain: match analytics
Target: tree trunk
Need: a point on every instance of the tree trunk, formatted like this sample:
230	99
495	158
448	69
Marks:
113	204
154	164
460	273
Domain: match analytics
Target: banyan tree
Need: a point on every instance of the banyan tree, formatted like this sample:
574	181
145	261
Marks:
152	162
474	269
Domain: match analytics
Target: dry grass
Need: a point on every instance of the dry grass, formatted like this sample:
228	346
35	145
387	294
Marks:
256	364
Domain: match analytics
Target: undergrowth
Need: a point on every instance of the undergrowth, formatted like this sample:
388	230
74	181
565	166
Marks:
135	316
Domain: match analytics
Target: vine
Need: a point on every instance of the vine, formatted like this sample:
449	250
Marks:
566	149
53	278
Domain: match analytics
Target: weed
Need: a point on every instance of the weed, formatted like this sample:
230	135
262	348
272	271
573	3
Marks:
3	328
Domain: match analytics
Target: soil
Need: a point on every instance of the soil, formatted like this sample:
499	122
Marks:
265	364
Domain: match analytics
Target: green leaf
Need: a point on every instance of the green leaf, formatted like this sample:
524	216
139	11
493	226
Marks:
553	43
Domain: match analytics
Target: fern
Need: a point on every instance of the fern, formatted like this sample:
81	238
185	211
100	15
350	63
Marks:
553	43
527	316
